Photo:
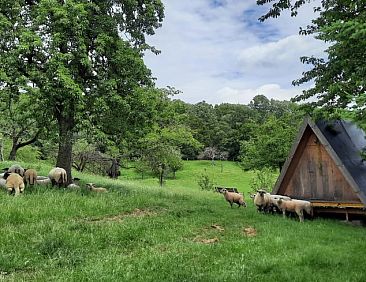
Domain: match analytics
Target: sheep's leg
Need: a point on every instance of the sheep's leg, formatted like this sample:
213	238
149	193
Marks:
231	204
301	215
21	188
17	192
284	213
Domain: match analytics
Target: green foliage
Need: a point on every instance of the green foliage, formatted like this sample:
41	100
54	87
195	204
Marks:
263	179
339	79
25	154
70	57
205	182
270	142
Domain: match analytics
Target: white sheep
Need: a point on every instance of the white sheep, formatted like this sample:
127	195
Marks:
298	206
14	183
262	200
16	169
274	202
91	187
58	176
30	176
233	197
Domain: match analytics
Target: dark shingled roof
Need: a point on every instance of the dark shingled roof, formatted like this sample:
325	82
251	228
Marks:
347	141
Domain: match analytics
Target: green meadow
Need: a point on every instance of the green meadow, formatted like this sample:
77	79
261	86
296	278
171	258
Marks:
139	231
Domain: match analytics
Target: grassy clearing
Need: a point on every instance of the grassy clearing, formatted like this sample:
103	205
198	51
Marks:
224	173
141	232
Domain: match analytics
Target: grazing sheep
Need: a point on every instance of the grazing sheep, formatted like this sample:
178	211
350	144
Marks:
262	200
58	176
16	169
233	197
14	183
30	177
91	187
298	206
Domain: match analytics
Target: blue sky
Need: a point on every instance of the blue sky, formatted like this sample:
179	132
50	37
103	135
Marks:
218	51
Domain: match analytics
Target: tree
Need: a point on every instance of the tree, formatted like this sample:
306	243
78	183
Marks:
270	142
18	122
339	80
84	57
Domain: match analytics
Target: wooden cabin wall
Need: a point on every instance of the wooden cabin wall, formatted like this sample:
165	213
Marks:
313	175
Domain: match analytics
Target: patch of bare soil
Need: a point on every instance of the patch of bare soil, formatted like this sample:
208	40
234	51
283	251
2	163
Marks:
250	231
206	241
119	217
217	227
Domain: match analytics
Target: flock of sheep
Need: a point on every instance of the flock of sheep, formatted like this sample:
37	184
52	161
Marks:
266	202
16	178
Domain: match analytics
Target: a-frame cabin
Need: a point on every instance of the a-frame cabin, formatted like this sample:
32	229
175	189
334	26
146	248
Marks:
325	167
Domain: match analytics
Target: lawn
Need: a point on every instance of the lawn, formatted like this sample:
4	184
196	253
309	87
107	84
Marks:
142	232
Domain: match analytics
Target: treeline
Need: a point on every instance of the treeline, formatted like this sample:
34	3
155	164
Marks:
161	132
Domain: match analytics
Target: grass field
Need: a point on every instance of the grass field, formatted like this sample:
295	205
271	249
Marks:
141	232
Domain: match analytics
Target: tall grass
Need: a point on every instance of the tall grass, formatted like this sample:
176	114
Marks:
141	232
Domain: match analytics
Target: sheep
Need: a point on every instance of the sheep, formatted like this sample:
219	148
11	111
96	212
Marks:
262	200
58	176
298	206
233	197
91	187
74	184
274	202
14	183
16	169
30	177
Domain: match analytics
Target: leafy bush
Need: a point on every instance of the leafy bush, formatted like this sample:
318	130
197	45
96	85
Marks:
205	182
263	179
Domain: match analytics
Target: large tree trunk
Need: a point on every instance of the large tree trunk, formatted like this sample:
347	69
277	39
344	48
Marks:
64	156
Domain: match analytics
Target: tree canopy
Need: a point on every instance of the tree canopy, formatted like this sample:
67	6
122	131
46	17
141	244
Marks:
339	79
84	58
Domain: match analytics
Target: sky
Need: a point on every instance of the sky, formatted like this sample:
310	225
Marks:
218	51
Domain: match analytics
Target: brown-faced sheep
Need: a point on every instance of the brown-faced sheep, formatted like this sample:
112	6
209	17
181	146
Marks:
14	183
91	187
16	169
262	200
30	177
274	202
58	176
298	206
233	197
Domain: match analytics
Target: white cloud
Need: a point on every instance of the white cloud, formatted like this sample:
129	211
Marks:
244	96
208	48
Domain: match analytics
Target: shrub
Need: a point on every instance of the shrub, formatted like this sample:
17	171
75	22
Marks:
205	182
263	179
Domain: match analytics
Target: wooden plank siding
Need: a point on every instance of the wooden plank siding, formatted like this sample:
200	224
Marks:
313	174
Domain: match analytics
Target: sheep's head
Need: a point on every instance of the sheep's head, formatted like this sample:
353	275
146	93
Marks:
89	185
261	192
223	191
